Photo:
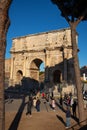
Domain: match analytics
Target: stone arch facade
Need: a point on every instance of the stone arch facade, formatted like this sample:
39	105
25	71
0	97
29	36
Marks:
34	68
53	48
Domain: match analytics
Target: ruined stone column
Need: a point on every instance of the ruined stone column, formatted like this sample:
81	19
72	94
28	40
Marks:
24	67
65	65
12	66
46	65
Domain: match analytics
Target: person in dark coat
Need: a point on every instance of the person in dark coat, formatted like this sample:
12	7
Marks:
74	108
61	101
29	106
38	105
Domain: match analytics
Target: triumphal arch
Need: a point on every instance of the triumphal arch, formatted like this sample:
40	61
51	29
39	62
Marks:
54	48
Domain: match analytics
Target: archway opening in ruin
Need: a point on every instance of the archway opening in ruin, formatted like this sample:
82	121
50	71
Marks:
37	70
57	76
19	76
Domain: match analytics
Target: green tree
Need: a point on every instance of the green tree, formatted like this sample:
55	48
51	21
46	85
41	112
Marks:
4	24
74	11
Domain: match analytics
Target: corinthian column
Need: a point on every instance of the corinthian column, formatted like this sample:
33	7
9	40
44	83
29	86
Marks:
65	65
24	67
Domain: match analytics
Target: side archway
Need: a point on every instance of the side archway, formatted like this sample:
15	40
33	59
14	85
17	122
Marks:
57	76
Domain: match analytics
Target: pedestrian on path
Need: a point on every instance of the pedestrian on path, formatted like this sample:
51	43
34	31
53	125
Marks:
61	101
68	117
74	108
53	104
29	106
38	102
34	102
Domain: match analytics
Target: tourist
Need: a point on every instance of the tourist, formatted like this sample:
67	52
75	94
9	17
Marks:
34	102
53	104
43	95
61	101
74	108
68	117
29	106
38	102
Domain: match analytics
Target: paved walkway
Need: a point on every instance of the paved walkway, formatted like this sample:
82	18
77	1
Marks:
46	119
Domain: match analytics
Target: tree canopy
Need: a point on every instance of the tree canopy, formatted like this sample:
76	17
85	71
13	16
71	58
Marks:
72	9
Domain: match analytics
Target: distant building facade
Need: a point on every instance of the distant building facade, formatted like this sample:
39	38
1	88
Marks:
83	72
7	71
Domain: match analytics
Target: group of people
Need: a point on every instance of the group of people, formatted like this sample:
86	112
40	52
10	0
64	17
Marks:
71	105
33	102
70	101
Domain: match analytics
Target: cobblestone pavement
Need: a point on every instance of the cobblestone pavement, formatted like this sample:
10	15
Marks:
46	119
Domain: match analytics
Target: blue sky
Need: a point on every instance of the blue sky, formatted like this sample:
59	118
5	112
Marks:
35	16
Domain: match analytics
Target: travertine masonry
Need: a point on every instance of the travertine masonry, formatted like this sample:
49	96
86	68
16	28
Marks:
53	48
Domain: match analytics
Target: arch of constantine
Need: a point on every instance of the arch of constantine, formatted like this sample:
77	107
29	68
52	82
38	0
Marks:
52	48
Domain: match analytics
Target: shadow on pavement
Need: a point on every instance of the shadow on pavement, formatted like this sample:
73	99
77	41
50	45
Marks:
83	128
14	124
61	119
63	109
80	125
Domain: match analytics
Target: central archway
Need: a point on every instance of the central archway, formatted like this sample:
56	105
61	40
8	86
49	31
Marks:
35	68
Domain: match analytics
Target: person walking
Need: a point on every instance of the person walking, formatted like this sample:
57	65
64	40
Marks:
74	108
43	95
34	102
53	104
61	101
29	106
38	102
68	117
